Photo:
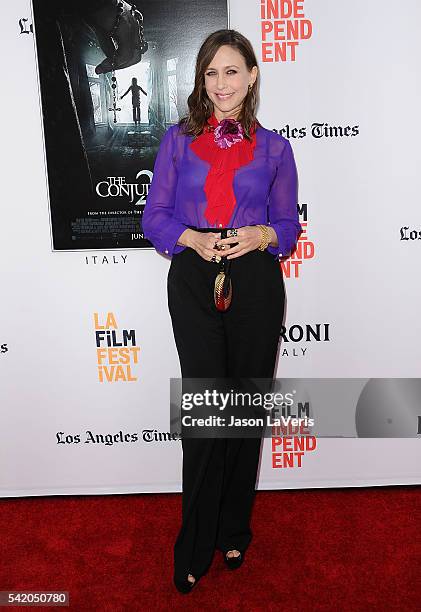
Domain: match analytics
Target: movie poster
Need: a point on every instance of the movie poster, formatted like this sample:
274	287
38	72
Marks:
113	77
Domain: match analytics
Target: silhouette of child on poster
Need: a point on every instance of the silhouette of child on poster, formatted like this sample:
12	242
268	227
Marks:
135	89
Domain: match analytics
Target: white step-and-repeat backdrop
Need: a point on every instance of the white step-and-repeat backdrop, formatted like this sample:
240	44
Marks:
86	344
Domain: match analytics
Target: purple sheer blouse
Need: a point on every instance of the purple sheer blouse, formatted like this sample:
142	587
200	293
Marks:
266	191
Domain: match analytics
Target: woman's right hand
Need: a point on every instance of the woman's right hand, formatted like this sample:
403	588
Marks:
202	242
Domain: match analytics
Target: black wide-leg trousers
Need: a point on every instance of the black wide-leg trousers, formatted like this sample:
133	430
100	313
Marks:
219	474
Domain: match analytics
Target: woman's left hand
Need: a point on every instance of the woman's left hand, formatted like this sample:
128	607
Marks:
248	237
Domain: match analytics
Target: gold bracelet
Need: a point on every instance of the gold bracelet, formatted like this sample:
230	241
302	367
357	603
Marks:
265	237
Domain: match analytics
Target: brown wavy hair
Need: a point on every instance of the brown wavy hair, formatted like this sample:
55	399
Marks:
200	106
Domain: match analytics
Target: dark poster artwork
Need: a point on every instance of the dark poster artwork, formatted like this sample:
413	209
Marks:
102	127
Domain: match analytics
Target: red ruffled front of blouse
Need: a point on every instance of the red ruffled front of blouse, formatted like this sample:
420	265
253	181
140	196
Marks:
218	186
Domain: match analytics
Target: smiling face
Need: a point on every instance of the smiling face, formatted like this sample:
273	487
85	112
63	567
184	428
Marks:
226	81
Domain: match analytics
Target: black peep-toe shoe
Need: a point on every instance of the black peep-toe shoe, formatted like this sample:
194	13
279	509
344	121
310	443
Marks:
233	562
185	586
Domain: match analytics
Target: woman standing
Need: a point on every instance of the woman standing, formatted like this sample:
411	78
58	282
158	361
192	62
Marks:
218	168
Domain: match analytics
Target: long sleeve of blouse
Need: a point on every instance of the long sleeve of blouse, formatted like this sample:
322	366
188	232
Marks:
266	192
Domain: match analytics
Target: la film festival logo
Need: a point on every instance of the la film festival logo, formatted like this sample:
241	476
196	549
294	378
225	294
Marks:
304	250
116	350
283	26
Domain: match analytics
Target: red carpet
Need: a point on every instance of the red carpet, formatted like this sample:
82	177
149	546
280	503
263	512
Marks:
339	550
